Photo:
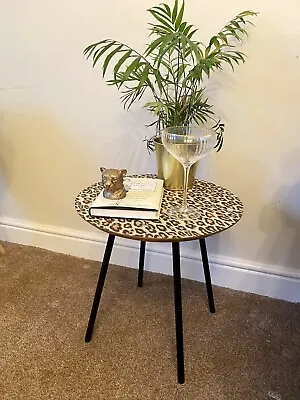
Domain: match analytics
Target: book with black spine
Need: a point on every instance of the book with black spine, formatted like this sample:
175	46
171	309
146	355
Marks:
143	200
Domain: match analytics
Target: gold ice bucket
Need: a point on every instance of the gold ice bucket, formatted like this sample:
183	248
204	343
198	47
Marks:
169	169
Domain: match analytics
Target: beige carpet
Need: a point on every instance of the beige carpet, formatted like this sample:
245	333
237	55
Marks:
250	349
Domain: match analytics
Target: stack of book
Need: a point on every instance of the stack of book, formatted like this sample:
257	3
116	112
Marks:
143	200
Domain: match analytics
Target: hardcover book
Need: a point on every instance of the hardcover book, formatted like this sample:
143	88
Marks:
143	200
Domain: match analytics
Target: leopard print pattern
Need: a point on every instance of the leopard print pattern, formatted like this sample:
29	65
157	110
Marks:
218	210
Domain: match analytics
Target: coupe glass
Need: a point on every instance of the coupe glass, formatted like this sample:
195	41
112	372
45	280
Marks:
187	144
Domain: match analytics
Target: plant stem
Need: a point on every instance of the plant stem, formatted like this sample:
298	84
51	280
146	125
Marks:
186	171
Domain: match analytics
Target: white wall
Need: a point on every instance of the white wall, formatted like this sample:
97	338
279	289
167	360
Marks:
59	121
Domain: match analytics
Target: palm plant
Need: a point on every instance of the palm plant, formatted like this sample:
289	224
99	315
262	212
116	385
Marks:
172	68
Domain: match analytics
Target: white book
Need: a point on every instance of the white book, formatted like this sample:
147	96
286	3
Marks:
143	200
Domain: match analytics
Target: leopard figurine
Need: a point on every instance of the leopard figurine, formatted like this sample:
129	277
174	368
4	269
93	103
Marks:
112	180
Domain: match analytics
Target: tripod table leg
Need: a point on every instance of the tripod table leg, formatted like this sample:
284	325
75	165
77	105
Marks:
178	311
100	285
207	276
141	263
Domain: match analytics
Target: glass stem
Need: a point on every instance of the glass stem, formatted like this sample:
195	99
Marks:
186	171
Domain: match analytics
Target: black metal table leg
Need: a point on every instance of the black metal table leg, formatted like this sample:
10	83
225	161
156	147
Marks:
141	263
207	276
178	311
99	288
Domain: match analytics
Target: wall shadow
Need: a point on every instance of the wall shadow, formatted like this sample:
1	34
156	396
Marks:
280	221
280	218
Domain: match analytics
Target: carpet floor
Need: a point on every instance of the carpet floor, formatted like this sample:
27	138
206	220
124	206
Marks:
250	349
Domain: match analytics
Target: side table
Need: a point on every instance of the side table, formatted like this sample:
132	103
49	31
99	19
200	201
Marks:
219	209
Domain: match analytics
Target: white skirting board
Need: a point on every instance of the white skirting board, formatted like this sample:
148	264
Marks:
236	274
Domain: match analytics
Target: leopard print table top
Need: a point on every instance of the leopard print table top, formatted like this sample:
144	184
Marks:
219	209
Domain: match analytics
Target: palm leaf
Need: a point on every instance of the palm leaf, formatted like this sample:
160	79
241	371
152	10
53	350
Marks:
98	53
159	29
167	8
156	43
121	61
88	51
165	12
179	16
186	30
174	11
161	18
134	65
109	57
143	77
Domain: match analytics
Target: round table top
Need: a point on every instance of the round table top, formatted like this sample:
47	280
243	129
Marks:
218	210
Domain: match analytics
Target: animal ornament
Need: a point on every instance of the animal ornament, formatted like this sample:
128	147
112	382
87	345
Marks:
112	180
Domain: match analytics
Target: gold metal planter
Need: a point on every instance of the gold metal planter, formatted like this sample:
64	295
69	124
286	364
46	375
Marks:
169	169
